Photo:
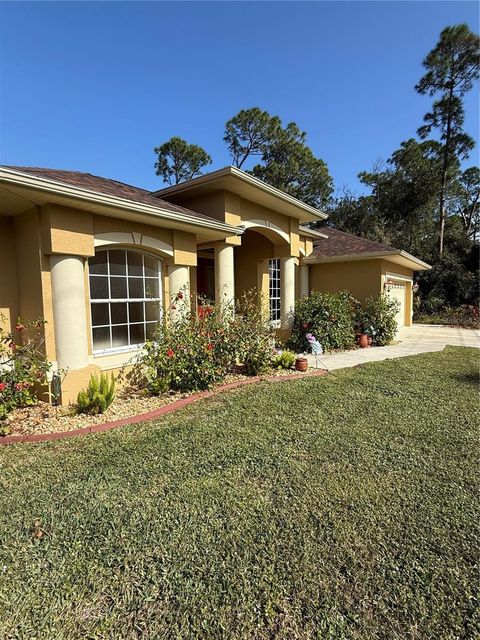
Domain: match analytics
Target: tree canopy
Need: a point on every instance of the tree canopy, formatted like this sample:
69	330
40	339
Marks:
286	162
179	161
452	66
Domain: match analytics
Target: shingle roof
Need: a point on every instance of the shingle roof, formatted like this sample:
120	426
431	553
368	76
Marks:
340	243
106	186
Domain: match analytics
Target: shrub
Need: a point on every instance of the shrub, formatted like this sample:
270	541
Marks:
190	354
23	364
253	334
377	317
329	317
199	349
98	395
284	360
467	316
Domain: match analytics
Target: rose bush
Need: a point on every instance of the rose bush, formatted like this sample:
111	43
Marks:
198	349
23	364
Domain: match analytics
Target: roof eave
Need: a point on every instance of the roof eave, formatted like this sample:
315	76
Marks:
308	213
9	176
403	257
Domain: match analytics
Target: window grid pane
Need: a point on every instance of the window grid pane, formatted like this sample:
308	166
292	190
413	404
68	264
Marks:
274	289
130	282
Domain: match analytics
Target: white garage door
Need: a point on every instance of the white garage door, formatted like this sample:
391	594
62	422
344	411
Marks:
397	291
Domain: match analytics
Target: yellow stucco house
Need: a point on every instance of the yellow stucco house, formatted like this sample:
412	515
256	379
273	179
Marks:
99	259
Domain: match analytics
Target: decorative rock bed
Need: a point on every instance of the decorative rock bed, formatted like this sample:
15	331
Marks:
44	422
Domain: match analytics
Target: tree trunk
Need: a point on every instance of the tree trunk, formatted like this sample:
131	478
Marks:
443	187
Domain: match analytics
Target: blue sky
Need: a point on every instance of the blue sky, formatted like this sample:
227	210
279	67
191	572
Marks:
95	86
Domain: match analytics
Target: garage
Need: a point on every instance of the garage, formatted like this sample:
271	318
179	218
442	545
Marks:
397	291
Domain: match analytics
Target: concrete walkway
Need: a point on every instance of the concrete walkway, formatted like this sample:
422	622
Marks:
411	340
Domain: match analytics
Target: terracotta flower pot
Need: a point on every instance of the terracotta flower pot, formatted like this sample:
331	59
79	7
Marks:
363	340
301	364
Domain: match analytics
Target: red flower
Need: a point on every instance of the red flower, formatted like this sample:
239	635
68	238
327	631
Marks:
179	295
19	327
2	386
305	325
209	346
170	353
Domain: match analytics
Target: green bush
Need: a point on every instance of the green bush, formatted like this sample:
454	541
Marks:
377	317
327	316
98	395
284	360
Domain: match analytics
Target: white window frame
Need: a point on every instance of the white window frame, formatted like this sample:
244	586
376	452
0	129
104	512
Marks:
274	291
109	300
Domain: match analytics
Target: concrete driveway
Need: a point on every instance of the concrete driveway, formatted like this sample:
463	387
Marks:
419	338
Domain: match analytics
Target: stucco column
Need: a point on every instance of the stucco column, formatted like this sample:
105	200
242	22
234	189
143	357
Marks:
304	284
287	288
179	281
69	311
224	275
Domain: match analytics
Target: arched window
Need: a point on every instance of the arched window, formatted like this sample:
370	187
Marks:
125	298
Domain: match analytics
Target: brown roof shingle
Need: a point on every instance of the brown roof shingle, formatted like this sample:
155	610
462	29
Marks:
340	243
106	186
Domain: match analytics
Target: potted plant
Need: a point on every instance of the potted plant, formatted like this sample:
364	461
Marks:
364	335
301	364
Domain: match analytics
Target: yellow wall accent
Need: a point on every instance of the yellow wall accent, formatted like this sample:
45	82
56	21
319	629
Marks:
184	248
8	269
68	231
29	268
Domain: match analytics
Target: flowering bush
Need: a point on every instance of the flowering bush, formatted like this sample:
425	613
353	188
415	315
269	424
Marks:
377	318
190	354
23	365
327	316
253	335
199	349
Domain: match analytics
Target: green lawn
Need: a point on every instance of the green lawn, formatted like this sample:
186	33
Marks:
330	508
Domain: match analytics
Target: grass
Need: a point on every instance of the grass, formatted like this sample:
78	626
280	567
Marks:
336	508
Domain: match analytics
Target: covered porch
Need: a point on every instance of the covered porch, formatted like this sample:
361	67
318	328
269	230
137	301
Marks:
263	262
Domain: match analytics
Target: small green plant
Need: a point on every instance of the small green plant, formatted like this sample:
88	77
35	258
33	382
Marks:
98	395
284	360
158	386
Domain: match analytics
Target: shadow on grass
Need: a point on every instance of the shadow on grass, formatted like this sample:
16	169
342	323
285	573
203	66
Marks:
470	378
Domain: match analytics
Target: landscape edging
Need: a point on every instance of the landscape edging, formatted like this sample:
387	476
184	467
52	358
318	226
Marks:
155	413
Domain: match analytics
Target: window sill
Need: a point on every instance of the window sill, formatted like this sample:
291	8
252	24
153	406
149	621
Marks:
113	359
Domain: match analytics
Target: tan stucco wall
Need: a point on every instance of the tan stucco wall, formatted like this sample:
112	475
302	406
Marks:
254	249
8	270
26	243
363	278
